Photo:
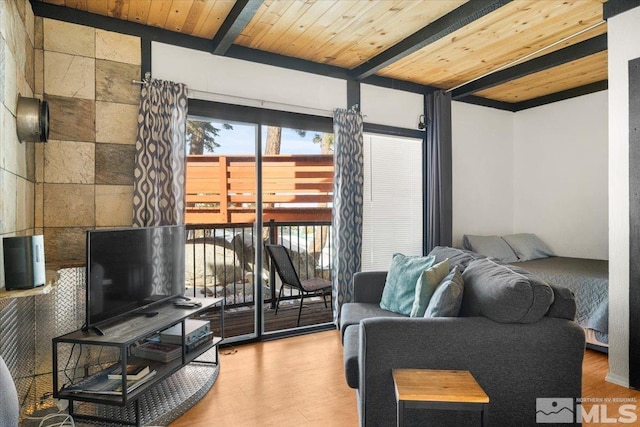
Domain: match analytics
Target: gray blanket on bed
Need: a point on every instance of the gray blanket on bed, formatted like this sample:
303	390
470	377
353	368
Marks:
589	281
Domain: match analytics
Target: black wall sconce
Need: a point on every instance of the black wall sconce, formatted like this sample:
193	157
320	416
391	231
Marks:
421	123
32	120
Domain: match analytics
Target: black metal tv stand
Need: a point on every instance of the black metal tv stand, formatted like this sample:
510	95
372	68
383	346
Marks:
123	335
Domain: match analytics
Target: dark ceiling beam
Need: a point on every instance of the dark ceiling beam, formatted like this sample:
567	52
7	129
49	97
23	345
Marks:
486	102
615	7
241	13
282	61
268	58
561	96
452	21
541	63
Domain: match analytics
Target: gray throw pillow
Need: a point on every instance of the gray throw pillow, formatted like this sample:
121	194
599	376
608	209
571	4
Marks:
490	246
399	290
459	257
528	246
504	293
447	298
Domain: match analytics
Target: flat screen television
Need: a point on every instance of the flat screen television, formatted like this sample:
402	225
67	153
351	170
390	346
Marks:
131	269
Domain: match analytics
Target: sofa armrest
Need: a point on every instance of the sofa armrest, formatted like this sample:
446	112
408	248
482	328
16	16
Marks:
368	286
514	363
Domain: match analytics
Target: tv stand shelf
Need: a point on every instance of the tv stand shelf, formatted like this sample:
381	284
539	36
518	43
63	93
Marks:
114	346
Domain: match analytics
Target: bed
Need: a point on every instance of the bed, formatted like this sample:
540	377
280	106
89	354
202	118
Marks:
588	279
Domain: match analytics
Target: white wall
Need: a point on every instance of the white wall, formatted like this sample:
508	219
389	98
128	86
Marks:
539	170
391	107
234	81
561	175
482	170
623	46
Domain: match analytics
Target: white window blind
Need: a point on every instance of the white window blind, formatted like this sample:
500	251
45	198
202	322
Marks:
392	211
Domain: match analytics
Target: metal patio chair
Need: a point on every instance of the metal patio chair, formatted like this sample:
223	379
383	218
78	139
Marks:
315	286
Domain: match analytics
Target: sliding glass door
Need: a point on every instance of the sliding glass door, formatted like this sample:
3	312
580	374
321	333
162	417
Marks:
297	195
221	213
248	185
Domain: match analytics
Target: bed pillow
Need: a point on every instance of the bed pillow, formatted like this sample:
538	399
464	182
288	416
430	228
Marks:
426	285
490	246
504	293
400	287
528	246
447	298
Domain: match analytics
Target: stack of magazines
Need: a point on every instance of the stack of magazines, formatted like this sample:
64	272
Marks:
109	380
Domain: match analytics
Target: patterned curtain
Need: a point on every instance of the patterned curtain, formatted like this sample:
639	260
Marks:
347	205
158	189
439	171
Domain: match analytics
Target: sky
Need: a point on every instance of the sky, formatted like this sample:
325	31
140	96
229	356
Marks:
241	140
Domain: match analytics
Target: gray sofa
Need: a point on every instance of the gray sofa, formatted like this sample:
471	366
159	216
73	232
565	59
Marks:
515	363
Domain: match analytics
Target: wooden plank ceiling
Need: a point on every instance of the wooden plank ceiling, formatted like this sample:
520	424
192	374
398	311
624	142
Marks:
446	44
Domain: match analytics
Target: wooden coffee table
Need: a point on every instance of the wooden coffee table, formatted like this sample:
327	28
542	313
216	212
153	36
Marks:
439	389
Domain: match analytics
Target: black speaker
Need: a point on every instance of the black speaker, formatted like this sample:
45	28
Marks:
23	262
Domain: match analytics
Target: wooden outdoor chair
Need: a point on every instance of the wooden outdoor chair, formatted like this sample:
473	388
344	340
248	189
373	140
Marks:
315	286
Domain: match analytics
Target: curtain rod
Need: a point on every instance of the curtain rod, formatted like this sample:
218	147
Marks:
516	61
147	79
259	103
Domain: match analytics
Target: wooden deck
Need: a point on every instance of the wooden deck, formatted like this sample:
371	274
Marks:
240	321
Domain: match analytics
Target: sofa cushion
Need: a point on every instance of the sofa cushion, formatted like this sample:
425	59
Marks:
350	354
426	285
400	287
564	303
459	257
504	293
352	313
528	246
447	298
491	246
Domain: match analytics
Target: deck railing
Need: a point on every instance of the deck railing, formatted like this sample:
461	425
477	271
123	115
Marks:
220	258
222	189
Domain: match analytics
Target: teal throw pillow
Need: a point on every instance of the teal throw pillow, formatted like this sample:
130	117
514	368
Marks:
400	288
426	285
447	298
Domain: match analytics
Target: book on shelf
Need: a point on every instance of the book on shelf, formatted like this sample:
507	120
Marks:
100	383
157	351
134	372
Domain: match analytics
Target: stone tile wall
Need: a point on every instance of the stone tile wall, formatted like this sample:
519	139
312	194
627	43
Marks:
17	168
84	175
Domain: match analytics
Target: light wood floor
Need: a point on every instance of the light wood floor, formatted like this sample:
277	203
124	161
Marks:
300	381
